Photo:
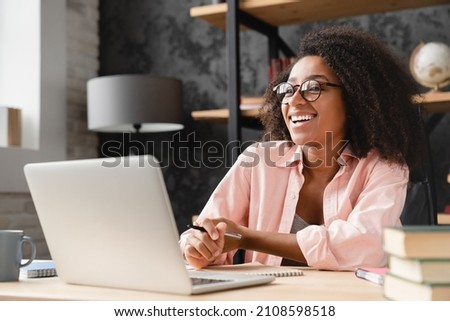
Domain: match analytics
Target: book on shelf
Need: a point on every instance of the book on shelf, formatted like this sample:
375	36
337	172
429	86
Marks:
397	288
444	218
278	65
251	102
256	268
374	275
418	241
10	127
420	270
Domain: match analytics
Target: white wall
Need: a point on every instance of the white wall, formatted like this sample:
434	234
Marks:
36	80
17	210
20	64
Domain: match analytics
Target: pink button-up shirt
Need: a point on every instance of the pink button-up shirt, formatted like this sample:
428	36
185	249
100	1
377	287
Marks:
261	191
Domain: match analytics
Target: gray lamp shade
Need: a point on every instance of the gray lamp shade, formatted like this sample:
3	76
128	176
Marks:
119	103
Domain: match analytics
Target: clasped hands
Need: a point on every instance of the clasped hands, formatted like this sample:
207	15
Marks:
203	248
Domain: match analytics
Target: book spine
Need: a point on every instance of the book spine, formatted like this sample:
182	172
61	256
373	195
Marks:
10	127
278	65
14	129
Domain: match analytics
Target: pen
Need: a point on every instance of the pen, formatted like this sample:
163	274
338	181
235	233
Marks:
233	235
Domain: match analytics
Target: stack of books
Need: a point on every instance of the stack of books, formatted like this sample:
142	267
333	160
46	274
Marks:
419	263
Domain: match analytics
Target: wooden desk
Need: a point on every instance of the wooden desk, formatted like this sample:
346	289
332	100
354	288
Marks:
313	285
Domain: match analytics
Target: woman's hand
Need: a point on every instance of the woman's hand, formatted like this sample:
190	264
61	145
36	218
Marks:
203	248
230	243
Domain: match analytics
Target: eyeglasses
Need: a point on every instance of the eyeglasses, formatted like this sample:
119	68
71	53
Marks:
310	90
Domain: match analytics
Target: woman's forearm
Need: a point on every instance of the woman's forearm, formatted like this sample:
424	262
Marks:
279	244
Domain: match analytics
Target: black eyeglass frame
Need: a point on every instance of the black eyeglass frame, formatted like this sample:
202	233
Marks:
296	88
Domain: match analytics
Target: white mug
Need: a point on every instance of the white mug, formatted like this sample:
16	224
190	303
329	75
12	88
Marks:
11	243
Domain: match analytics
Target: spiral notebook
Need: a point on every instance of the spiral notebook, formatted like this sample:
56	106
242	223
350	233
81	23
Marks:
256	268
39	269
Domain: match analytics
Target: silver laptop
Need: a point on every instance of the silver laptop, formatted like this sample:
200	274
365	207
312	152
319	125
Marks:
108	222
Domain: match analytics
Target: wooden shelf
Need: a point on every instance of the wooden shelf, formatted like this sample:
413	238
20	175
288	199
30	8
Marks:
286	12
221	115
433	102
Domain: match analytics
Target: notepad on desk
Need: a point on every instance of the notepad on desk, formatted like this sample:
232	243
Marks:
375	275
256	268
39	269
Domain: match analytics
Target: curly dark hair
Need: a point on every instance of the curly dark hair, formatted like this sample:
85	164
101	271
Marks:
377	93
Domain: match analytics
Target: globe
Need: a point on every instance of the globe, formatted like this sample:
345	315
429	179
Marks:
430	64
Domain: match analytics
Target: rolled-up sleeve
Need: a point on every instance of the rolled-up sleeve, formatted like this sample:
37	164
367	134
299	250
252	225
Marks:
230	200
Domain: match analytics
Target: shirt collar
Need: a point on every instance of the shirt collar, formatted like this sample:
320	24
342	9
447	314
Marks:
290	155
346	155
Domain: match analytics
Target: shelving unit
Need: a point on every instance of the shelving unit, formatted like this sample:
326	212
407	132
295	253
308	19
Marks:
265	16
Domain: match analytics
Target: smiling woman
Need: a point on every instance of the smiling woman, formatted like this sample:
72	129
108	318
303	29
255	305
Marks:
317	108
334	171
378	110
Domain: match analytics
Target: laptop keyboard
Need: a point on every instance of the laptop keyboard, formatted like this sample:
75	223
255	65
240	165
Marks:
202	281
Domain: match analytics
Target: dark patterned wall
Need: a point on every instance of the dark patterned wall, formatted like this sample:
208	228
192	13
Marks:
159	37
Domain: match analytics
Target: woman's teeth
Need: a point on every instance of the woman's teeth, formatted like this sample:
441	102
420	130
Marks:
301	118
